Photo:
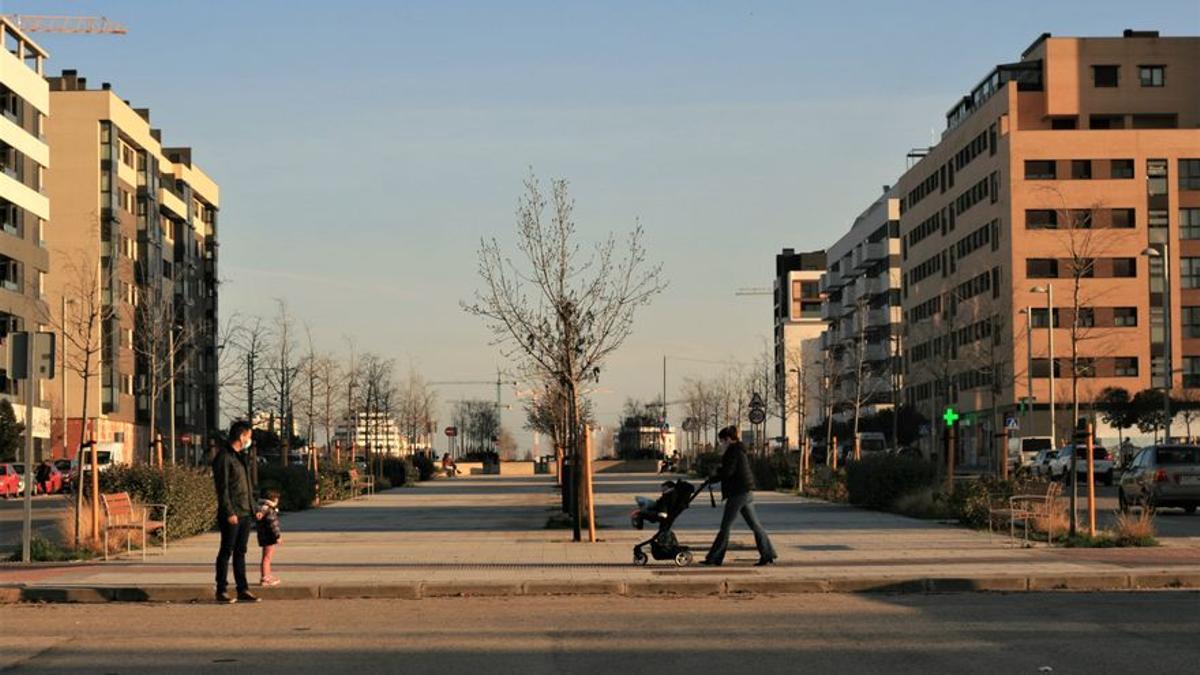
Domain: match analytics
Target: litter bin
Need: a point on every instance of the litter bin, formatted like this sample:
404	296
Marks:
568	486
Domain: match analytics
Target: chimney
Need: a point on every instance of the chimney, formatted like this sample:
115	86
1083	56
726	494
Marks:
106	86
886	188
156	134
144	113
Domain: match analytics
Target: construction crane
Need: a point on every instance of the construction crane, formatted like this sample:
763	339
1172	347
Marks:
499	382
754	291
76	25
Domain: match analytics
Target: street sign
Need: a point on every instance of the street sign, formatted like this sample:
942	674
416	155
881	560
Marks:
690	424
756	402
950	416
1011	423
757	416
185	438
451	431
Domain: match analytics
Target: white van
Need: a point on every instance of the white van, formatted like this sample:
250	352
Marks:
1023	449
107	456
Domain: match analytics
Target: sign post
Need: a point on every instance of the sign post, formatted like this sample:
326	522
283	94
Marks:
951	417
31	357
1091	474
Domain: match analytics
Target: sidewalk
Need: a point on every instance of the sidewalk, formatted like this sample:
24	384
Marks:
486	535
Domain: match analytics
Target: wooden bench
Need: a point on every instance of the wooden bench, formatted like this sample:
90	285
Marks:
1027	508
121	514
359	482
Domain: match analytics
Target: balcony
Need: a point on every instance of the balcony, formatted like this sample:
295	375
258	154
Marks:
830	309
878	351
876	250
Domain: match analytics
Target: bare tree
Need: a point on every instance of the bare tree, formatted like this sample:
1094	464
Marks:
281	376
378	405
415	408
564	311
80	322
329	391
161	345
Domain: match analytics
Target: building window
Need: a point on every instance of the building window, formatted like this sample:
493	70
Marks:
1156	177
1041	368
1106	121
1124	267
1191	322
1189	272
1121	168
1125	366
1041	219
1063	123
1189	174
1152	76
1189	223
1037	318
1086	317
1123	218
1040	169
1041	268
1191	372
1156	121
1125	316
1105	76
1081	169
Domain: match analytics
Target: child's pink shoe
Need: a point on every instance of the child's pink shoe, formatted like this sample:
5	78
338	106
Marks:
270	581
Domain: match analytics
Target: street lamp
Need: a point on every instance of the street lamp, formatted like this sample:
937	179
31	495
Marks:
1048	289
1151	253
1028	407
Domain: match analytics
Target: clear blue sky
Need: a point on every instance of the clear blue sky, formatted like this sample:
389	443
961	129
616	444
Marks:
364	147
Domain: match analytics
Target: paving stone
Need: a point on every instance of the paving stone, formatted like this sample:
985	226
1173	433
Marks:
777	586
675	587
390	591
1079	582
983	583
876	585
1165	580
550	587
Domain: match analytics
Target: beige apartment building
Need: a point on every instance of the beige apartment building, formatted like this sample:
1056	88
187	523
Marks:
798	328
134	228
24	211
861	286
1067	163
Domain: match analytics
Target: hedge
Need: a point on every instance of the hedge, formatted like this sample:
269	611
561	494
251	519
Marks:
878	480
187	492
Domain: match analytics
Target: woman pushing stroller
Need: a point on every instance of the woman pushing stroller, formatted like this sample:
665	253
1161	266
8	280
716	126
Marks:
737	485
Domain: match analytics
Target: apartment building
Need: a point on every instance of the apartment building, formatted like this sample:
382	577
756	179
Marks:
377	432
798	329
862	311
1054	173
24	211
135	227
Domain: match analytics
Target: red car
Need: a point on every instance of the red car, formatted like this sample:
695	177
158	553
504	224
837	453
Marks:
10	481
54	483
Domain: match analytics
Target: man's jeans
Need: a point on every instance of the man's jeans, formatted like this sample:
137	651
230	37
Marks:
233	542
743	504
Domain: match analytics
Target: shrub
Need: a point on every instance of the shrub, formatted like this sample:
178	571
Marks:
334	485
397	471
295	485
1134	530
924	503
774	471
827	484
188	493
878	480
424	466
706	464
44	550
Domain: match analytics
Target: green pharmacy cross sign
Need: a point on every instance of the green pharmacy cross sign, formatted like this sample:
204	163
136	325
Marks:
950	416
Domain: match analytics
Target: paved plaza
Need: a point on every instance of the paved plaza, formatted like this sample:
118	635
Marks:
488	534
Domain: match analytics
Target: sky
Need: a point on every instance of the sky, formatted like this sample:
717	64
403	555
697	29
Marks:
364	148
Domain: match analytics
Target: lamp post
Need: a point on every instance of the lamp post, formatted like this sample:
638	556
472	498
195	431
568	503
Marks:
1048	289
1151	253
1028	407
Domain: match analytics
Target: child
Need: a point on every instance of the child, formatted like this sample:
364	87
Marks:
269	534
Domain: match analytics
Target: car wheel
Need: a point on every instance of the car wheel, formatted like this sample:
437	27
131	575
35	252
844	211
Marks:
1122	503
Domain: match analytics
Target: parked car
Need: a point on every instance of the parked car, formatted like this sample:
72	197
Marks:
1162	476
54	484
10	481
1023	451
64	467
1040	466
1060	466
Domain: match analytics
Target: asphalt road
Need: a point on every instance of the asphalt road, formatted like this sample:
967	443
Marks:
1170	523
1024	633
47	512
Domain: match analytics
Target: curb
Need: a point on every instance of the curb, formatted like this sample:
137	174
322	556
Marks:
735	587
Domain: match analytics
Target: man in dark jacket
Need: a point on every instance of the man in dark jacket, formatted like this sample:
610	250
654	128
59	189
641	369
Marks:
737	485
235	511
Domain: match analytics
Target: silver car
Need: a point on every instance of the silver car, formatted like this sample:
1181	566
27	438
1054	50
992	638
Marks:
1162	476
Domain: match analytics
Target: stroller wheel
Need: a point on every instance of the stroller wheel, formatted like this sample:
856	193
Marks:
639	557
636	521
683	558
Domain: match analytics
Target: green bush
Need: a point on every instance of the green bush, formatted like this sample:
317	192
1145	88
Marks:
425	467
775	471
334	484
706	464
878	480
295	484
44	550
188	493
971	500
397	471
827	484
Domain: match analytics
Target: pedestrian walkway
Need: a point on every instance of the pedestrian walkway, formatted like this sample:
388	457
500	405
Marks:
490	531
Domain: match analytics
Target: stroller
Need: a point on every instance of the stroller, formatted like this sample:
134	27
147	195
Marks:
677	496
